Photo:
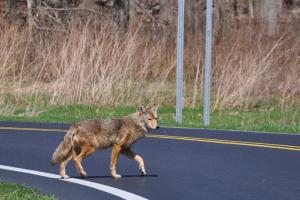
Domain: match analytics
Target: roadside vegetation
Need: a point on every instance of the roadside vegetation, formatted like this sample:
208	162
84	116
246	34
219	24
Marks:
257	119
66	63
19	192
99	66
84	73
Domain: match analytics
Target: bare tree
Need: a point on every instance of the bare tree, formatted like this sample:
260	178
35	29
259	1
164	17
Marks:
10	7
10	4
164	13
251	9
132	12
269	12
164	16
193	16
31	6
219	20
122	13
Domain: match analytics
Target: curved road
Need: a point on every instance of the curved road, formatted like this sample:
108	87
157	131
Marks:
180	164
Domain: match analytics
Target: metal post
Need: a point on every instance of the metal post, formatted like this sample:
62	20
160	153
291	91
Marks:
207	62
179	74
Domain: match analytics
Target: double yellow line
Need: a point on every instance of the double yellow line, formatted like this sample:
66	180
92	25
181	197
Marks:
194	139
229	142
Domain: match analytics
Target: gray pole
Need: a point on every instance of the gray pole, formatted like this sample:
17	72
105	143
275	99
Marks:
179	74
207	62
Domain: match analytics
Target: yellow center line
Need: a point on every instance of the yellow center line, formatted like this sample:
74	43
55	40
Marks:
195	139
230	142
31	129
218	140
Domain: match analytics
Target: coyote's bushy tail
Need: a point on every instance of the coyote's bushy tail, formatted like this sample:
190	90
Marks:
64	148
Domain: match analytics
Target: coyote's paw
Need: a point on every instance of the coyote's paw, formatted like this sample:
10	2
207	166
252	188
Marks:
65	176
83	173
116	176
143	172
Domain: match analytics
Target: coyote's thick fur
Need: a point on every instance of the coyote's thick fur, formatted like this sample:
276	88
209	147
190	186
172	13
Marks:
84	138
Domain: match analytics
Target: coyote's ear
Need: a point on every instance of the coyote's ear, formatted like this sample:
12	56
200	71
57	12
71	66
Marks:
155	108
143	109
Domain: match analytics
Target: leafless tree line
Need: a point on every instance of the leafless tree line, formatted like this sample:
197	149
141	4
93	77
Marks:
227	14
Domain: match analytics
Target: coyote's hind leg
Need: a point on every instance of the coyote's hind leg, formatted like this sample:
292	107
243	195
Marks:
85	151
63	165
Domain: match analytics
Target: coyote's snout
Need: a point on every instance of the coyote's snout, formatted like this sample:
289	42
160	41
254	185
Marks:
84	138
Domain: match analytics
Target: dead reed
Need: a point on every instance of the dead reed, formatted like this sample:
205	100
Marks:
101	65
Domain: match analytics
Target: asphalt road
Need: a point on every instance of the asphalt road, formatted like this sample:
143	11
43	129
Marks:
180	163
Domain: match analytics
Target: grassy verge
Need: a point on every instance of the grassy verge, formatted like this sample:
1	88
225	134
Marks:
18	192
270	120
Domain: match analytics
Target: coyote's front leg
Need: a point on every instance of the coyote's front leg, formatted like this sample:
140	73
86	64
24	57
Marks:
130	154
114	158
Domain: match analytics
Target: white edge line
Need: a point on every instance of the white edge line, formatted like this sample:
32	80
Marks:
111	190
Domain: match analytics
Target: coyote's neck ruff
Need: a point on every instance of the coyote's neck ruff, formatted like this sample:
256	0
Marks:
140	124
83	138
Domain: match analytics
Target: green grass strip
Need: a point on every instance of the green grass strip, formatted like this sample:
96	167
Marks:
272	120
19	192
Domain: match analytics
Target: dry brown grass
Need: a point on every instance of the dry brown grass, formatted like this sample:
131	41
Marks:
104	66
253	68
84	65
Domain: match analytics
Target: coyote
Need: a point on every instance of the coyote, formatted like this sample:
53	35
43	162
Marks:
84	138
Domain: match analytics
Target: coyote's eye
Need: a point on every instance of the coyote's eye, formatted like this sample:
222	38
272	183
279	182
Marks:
149	119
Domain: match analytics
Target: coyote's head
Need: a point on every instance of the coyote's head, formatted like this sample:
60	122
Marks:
149	116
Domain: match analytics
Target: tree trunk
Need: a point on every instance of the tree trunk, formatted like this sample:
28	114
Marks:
165	20
236	13
251	9
10	4
132	13
164	12
31	5
219	21
269	15
193	16
122	13
10	7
